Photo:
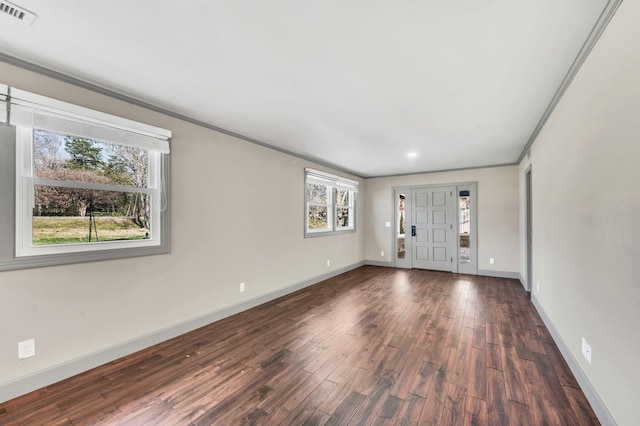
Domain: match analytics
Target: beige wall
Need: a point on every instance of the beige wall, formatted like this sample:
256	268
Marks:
586	211
237	216
497	214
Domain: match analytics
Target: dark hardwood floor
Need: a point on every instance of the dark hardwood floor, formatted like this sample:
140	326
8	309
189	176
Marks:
372	346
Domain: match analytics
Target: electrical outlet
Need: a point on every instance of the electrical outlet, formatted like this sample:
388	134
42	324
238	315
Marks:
492	260
328	262
27	349
387	224
241	287
586	350
381	253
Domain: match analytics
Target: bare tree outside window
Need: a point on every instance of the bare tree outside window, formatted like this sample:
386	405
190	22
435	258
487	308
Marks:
64	214
317	198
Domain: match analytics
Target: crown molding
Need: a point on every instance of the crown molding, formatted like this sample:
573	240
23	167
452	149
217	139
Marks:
597	30
57	75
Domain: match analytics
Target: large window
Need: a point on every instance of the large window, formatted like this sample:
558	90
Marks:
88	185
330	203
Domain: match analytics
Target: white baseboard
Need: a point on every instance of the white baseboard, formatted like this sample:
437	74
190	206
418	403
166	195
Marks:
56	373
598	406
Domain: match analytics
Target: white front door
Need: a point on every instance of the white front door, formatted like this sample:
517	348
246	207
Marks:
433	242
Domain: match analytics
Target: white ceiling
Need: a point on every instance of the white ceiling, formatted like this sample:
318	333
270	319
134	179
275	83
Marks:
357	84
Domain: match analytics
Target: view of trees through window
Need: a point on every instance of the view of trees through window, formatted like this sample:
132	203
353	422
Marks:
66	211
343	208
317	197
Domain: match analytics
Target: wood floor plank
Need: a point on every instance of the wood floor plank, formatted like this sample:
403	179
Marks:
542	412
407	374
317	418
477	383
583	413
372	346
286	391
479	336
494	356
519	413
453	411
497	401
347	409
422	382
369	410
309	407
435	399
534	341
475	412
154	411
513	372
410	411
493	333
560	366
390	409
335	398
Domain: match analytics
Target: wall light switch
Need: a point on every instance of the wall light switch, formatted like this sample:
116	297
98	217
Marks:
387	224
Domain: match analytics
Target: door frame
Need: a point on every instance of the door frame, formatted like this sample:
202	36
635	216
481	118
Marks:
406	262
529	227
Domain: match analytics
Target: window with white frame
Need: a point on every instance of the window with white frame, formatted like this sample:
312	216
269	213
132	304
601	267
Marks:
330	202
86	182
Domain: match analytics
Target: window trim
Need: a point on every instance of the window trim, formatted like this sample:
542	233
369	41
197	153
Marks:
111	251
333	183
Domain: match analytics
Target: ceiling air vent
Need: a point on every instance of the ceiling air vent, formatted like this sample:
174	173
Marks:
15	11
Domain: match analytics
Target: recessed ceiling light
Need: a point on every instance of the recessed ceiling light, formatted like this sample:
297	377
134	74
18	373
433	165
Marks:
412	154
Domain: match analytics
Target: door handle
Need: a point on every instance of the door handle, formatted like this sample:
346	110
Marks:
413	230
